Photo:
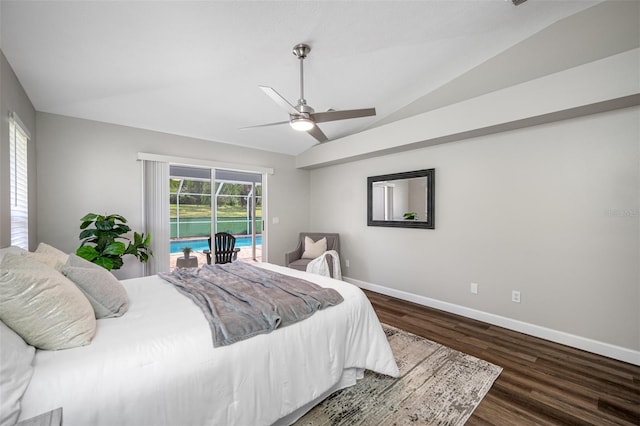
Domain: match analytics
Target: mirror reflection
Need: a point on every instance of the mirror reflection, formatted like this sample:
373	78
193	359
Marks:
402	199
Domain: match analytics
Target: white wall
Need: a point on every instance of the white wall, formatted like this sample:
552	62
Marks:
86	166
551	211
13	98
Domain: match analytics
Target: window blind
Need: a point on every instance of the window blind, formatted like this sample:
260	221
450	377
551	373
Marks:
18	141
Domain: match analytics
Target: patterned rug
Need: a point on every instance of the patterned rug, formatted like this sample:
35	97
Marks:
437	386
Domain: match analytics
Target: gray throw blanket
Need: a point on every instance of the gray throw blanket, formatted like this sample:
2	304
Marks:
240	300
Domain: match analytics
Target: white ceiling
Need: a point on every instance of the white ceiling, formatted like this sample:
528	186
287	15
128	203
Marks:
193	67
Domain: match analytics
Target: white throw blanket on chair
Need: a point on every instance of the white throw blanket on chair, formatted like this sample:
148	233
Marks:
320	266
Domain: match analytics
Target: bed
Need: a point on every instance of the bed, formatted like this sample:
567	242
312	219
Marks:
156	364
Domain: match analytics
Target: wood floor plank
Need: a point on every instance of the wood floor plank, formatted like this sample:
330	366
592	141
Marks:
542	382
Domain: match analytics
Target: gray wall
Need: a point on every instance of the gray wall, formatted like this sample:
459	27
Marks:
86	166
550	210
13	98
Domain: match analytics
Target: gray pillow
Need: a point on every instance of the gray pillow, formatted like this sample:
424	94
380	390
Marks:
16	359
106	294
40	304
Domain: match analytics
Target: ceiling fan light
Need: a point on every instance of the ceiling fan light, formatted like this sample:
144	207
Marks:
301	124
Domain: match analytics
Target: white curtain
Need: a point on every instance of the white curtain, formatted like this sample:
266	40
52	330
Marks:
156	214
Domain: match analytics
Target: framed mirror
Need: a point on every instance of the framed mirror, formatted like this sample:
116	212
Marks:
402	200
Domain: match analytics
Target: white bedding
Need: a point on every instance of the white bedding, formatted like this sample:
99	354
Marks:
156	365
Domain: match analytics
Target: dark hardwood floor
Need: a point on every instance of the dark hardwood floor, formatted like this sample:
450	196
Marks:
542	382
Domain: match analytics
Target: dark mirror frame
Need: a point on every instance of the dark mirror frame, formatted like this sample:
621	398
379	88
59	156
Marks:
430	174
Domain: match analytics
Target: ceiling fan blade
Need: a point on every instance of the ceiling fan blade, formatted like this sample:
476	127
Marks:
264	125
317	133
277	98
322	117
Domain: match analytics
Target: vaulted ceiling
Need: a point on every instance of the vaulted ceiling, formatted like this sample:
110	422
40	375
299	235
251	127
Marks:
193	68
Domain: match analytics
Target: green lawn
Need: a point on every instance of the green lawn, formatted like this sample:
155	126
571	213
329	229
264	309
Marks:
204	210
194	220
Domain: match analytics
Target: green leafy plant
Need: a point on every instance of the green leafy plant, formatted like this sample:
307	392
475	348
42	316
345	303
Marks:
410	216
99	241
187	252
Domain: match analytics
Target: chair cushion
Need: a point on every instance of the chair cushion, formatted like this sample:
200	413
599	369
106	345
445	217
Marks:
300	264
314	249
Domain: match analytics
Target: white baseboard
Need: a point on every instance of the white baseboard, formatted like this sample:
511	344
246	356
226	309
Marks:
590	345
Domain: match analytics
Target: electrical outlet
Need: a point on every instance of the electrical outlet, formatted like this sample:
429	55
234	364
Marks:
474	288
346	263
515	296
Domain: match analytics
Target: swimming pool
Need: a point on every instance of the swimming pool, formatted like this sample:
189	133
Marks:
176	247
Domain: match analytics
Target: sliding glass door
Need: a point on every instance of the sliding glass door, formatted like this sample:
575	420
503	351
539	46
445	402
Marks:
238	210
199	209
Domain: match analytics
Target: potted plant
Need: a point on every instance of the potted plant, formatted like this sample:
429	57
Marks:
410	216
187	252
100	245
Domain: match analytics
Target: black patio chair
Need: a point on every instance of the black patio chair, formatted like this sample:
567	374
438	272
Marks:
224	250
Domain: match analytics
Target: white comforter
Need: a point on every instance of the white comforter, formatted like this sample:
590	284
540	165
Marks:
156	365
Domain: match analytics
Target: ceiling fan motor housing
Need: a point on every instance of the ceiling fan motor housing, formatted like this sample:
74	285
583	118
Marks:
304	108
301	50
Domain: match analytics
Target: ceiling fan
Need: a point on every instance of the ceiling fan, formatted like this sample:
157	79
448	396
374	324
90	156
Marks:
301	116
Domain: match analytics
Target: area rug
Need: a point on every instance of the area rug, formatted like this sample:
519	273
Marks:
437	386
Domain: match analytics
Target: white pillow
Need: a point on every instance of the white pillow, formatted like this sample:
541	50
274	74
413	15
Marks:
106	294
52	251
16	368
314	249
40	304
49	255
11	249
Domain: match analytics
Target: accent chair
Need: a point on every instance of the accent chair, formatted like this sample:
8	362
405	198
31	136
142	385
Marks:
294	258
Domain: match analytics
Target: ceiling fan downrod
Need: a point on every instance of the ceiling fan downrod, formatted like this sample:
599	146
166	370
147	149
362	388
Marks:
301	51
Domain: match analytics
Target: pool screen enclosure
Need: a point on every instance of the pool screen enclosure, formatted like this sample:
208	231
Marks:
199	209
